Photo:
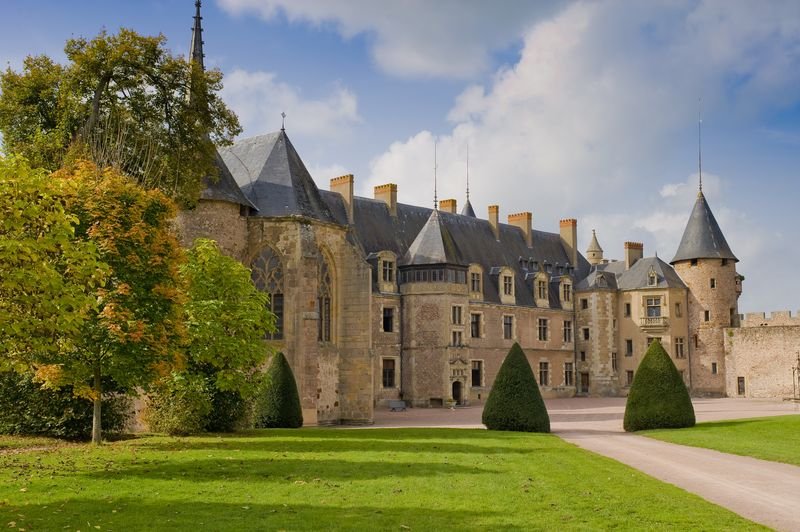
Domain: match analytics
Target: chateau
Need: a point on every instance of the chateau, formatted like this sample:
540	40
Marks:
378	300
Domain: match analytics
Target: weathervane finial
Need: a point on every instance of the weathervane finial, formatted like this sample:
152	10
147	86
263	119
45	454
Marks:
435	168
283	121
700	144
467	171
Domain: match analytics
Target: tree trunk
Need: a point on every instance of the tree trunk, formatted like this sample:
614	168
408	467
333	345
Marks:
98	396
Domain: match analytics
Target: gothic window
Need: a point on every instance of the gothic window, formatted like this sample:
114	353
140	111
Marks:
268	277
324	298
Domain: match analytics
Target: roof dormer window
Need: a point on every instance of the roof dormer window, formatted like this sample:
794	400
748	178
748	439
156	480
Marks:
652	278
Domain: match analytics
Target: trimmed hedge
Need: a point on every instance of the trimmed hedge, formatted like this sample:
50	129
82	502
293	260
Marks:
278	403
658	398
179	405
515	402
30	410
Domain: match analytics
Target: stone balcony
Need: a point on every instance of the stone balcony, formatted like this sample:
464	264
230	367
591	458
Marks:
654	322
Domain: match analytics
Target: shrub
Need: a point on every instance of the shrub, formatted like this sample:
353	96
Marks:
515	402
28	409
228	411
179	405
278	404
658	398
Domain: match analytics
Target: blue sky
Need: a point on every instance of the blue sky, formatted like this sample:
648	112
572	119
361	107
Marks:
570	109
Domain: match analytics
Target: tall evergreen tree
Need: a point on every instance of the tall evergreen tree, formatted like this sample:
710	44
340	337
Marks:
279	404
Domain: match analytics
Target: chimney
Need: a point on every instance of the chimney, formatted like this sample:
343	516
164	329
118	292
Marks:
344	186
448	205
633	252
494	220
569	237
523	220
388	194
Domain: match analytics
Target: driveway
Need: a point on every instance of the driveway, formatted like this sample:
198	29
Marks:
762	491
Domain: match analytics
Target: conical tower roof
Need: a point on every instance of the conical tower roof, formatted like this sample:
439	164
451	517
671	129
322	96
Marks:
594	245
272	175
467	210
702	238
433	245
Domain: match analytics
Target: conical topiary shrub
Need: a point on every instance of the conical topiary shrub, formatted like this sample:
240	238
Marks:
658	398
279	403
515	402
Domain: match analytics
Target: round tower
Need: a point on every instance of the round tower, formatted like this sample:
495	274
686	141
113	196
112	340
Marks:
707	266
594	253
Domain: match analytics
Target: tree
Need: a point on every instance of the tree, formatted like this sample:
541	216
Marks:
658	398
122	100
279	404
135	330
515	402
49	277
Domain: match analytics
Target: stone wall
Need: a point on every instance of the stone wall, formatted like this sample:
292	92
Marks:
763	356
777	317
217	220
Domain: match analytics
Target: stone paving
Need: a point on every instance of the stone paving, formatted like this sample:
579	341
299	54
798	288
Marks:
763	491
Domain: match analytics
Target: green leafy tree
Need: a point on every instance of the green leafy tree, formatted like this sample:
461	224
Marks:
515	402
279	403
48	276
658	398
121	100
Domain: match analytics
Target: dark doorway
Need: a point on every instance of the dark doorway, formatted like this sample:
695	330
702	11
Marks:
585	383
457	392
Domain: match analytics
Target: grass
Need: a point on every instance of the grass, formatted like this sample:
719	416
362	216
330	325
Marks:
373	479
769	438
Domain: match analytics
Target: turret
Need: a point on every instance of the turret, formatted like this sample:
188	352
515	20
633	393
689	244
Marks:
594	253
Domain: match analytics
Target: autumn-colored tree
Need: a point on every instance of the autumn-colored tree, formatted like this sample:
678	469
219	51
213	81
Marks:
121	100
48	276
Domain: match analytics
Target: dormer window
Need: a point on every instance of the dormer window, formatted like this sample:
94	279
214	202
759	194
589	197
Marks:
388	271
652	278
566	292
541	289
508	285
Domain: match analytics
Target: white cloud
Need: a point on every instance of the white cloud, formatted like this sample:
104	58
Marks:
259	99
445	38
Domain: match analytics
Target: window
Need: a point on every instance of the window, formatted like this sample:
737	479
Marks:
740	385
724	262
475	282
388	373
477	373
629	377
388	319
324	303
614	324
456	315
566	290
696	341
457	339
652	279
694	262
541	289
568	374
706	315
678	311
628	347
544	373
542	330
713	368
567	331
508	285
679	352
583	356
584	303
653	307
627	310
508	327
268	277
475	325
586	333
614	362
713	283
388	271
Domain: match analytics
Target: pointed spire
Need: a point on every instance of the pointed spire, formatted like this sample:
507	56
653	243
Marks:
435	167
594	245
196	48
703	238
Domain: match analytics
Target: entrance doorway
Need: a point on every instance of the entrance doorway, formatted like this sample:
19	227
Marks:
585	383
457	392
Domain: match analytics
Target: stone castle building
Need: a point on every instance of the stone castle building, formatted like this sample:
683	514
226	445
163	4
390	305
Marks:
378	300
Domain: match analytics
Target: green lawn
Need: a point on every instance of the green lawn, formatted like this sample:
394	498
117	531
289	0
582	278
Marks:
768	438
371	479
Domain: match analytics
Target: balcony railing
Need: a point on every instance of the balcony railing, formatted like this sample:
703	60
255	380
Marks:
654	322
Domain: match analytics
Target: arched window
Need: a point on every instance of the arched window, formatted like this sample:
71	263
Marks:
324	298
268	277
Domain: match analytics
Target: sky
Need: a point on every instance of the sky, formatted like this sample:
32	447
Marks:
584	110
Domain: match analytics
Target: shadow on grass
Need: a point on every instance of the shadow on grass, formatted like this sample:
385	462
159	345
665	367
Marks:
134	514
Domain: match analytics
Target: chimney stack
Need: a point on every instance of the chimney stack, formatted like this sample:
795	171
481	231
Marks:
388	194
448	205
633	252
494	220
569	237
344	186
523	220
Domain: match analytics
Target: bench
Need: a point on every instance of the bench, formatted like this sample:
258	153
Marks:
397	406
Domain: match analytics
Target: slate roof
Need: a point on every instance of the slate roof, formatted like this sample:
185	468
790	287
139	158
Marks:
273	177
594	245
467	210
635	278
433	245
702	238
473	242
224	188
598	279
